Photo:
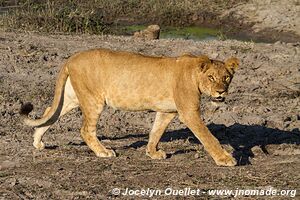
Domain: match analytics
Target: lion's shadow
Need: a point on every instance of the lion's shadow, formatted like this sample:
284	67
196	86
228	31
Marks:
244	137
241	137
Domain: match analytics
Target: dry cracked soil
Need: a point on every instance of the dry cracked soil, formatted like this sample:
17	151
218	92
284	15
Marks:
259	123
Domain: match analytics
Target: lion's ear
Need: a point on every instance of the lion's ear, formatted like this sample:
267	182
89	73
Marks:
203	67
232	64
204	63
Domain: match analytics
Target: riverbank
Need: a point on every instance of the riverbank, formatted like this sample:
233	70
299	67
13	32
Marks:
262	21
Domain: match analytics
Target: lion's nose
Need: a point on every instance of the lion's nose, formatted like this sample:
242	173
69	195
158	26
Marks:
221	92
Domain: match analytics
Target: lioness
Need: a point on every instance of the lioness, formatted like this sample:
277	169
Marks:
134	82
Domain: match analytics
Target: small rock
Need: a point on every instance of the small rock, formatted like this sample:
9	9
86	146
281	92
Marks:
278	43
256	150
287	119
197	155
150	33
45	58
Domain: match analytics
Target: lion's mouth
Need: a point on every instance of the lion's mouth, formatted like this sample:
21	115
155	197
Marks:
218	99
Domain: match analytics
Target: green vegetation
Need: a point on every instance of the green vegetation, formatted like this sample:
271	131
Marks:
193	32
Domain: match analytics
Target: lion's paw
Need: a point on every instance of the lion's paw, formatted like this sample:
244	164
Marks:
39	145
226	160
106	154
160	154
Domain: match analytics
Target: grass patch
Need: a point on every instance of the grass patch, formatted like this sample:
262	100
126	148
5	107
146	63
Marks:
196	33
54	16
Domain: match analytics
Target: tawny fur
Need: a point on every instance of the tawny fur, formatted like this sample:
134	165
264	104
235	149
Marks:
134	82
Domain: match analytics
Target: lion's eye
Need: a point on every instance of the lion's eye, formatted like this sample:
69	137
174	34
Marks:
211	78
226	79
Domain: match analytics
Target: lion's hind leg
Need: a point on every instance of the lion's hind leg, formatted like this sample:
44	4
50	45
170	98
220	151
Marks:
70	102
38	134
91	111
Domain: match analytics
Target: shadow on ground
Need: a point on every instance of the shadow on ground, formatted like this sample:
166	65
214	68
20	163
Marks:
241	137
244	137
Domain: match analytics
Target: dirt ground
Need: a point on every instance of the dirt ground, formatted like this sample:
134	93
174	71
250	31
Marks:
259	123
268	20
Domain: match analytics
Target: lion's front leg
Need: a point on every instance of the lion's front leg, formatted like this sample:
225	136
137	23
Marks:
160	124
194	122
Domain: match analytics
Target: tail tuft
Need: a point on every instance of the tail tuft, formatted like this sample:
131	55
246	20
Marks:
26	109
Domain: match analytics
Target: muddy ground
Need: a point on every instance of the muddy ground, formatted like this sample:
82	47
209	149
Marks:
259	124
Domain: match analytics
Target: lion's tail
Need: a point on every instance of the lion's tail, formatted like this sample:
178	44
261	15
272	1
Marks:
56	107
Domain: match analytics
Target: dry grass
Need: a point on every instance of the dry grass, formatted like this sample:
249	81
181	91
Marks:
97	16
54	16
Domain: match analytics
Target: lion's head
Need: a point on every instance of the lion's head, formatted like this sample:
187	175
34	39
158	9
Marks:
215	77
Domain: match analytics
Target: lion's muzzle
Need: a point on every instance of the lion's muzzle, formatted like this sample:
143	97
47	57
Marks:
218	99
